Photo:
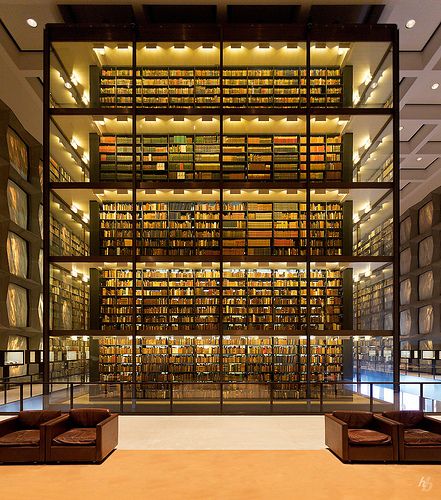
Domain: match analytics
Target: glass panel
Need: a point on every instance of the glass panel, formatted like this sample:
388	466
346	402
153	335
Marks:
87	74
425	217
358	74
69	297
425	251
405	260
262	75
17	305
176	75
18	205
373	358
373	296
17	255
425	285
268	148
425	319
405	291
69	358
18	153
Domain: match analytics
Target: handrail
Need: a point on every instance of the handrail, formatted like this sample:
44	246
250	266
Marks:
119	397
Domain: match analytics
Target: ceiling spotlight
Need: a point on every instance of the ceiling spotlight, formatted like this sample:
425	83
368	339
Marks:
68	85
32	22
320	45
435	86
292	45
410	24
99	49
374	85
179	45
235	45
343	48
401	128
264	45
419	158
151	45
208	45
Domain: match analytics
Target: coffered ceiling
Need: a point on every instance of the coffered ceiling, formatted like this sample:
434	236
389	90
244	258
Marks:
21	60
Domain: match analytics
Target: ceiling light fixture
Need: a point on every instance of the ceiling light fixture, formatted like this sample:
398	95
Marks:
208	45
264	45
292	45
410	24
419	158
179	45
435	86
151	45
99	49
235	45
401	128
32	22
68	85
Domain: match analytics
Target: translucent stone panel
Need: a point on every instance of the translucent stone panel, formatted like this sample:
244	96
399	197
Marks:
425	285
425	319
40	310
40	219
17	255
405	227
405	258
40	264
17	343
17	305
405	322
18	205
425	217
405	291
425	252
18	153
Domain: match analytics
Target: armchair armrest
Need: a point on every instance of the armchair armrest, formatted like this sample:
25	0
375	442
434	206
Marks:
106	436
392	429
54	428
400	433
336	436
9	425
432	424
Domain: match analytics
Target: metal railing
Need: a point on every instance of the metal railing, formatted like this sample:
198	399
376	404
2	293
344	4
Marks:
224	397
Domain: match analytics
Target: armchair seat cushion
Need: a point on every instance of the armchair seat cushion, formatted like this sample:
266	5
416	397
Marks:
367	437
421	437
77	436
24	437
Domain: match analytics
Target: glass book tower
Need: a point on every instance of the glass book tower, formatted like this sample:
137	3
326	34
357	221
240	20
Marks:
221	210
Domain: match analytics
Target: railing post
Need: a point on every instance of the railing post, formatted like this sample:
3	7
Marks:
71	395
321	397
31	393
121	397
421	406
21	396
371	397
171	397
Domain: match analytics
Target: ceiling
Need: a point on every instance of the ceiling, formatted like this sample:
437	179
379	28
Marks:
420	59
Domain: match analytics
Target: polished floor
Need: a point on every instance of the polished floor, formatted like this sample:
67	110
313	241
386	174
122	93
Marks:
221	475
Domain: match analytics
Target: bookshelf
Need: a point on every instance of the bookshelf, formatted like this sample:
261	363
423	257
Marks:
247	86
70	358
228	266
253	157
64	241
69	301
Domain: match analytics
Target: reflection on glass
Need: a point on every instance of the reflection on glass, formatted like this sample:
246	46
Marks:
17	343
17	305
18	205
17	255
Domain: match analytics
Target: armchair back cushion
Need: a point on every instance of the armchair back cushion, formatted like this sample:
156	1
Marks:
354	419
32	419
409	418
88	417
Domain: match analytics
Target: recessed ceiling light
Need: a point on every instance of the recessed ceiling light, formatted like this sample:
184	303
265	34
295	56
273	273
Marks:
401	128
32	22
435	86
68	85
419	158
410	24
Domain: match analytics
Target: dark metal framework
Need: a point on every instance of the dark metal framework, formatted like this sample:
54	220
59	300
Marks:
220	34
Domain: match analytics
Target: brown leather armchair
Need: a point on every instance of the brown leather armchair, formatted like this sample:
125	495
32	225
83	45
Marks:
419	437
23	438
84	435
361	436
